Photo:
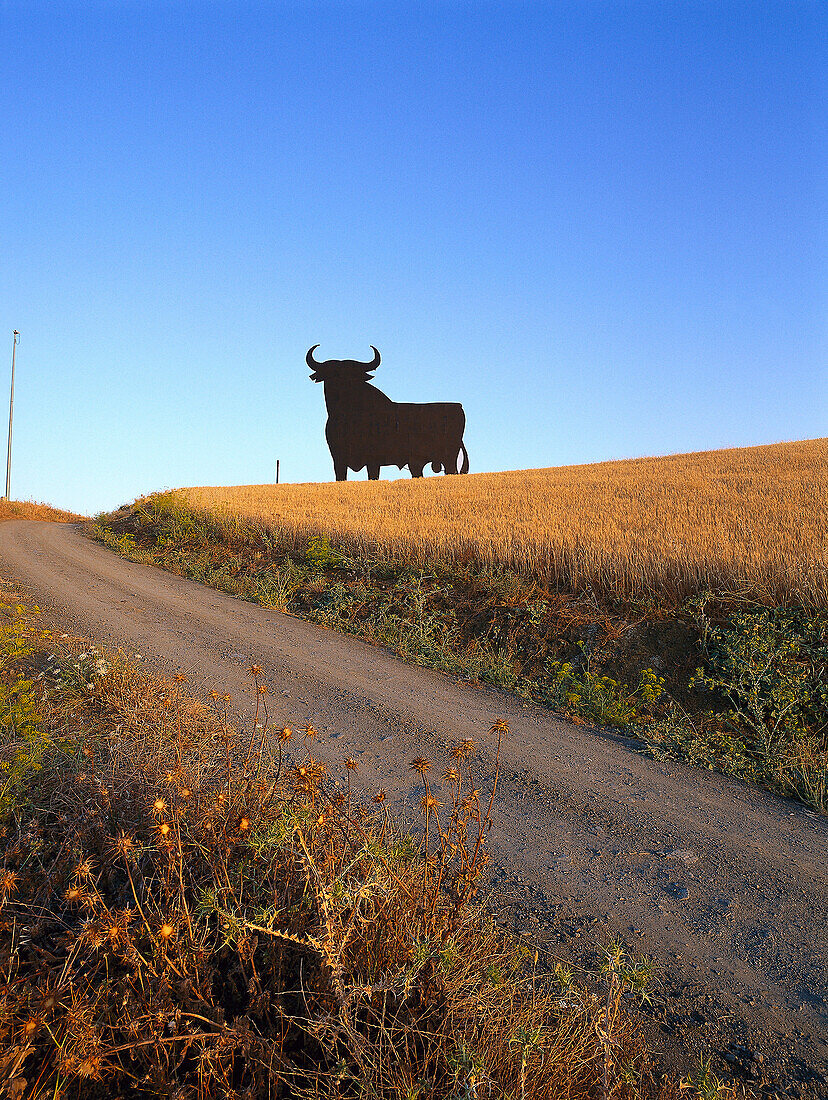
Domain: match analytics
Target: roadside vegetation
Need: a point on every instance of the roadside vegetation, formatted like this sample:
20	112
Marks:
728	675
188	910
29	509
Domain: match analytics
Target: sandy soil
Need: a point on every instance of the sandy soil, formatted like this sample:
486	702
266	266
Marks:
724	885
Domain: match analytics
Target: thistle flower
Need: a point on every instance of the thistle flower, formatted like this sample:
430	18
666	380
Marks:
309	732
429	802
500	725
50	1001
124	846
180	678
88	1067
420	764
84	869
94	934
285	734
8	885
263	689
379	797
255	670
159	806
351	764
166	931
244	825
451	775
464	750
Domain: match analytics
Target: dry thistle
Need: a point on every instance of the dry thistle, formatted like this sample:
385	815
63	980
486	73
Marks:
285	733
255	670
159	806
8	885
180	678
89	1067
420	764
124	846
464	750
351	764
85	869
380	795
50	1000
500	725
166	931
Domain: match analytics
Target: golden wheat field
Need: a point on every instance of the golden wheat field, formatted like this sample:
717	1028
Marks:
748	521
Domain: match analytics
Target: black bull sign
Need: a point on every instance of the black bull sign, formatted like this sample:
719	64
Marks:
366	428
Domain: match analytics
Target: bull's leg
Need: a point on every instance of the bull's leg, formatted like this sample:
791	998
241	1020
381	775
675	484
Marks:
416	468
340	470
373	473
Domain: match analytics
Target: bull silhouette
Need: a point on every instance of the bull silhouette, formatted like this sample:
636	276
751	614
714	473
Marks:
366	428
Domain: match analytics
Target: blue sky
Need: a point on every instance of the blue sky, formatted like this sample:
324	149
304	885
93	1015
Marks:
599	225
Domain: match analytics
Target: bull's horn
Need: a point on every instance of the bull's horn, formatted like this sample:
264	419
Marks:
376	360
309	359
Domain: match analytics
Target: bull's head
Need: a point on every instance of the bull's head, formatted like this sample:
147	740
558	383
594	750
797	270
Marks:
342	370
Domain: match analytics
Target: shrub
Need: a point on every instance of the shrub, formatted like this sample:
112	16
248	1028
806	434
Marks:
185	912
24	740
769	664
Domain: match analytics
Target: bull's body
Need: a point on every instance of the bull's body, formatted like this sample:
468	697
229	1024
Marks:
367	429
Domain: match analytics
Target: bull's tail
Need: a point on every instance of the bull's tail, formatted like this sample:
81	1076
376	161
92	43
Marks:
464	469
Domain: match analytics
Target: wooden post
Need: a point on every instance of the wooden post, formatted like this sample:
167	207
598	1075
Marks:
277	471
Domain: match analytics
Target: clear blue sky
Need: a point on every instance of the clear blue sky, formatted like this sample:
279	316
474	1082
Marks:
599	225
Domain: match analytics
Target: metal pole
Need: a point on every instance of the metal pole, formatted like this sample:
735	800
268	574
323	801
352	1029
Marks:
11	412
277	471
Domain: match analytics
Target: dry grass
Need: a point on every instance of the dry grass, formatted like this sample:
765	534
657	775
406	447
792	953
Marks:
30	509
747	521
183	912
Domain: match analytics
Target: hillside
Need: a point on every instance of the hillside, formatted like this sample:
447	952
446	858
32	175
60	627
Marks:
747	520
29	509
680	599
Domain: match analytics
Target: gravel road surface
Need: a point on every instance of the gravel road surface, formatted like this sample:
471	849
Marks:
725	886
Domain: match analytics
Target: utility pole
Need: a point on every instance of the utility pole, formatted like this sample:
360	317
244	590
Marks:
277	471
16	341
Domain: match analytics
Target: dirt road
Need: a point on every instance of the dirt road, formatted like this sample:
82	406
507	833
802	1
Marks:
725	886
